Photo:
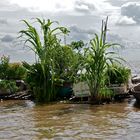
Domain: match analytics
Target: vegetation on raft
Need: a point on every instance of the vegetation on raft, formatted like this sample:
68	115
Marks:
58	63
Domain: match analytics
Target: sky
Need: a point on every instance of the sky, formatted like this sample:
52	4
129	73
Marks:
82	17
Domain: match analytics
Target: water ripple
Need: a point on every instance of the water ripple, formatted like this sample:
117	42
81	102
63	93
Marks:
24	120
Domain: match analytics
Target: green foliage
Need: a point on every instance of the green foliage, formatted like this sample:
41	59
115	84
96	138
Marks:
8	85
42	72
16	71
118	74
57	63
78	45
34	74
11	71
106	93
98	60
4	65
34	79
67	63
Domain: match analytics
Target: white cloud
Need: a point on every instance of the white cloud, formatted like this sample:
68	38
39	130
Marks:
75	28
55	6
45	5
3	21
132	10
118	3
78	33
85	7
85	14
124	20
82	7
7	38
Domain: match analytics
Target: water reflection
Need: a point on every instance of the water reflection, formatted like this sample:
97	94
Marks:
24	120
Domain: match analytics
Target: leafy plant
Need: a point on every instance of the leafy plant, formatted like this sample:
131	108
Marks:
11	71
8	85
98	59
4	65
44	46
67	63
16	71
118	74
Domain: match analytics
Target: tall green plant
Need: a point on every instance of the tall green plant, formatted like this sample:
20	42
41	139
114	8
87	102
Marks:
98	59
43	46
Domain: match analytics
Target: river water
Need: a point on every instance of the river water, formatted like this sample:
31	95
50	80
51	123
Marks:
23	120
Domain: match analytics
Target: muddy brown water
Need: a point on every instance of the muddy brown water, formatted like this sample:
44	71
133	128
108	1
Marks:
23	120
